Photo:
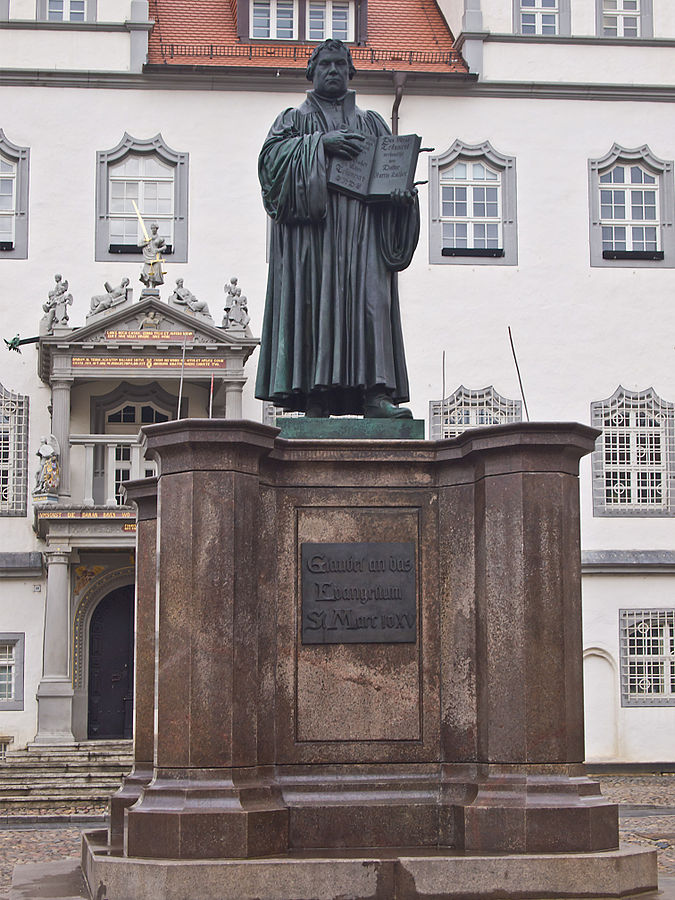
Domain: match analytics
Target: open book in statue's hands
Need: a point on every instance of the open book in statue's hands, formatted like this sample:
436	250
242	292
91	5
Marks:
385	164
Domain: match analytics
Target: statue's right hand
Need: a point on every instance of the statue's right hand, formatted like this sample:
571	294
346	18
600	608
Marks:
347	144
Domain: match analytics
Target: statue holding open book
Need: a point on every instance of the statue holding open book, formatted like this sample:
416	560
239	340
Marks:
339	189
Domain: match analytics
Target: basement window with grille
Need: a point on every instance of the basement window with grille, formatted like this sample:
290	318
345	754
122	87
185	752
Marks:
13	453
471	409
647	638
633	458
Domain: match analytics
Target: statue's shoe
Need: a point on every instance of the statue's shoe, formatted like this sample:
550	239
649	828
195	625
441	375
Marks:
383	408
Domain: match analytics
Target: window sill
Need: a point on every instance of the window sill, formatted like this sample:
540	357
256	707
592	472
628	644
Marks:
471	251
133	249
633	254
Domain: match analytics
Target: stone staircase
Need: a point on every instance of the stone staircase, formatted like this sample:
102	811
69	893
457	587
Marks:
60	777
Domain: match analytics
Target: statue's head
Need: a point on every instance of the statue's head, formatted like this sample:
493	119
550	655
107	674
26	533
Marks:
330	68
124	282
154	228
57	278
179	282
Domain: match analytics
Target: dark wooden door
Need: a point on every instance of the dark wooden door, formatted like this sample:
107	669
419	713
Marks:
111	666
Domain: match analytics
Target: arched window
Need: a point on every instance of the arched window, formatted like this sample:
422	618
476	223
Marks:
633	460
632	199
13	199
149	174
472	197
471	409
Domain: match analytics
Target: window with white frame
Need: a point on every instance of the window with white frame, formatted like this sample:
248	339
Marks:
471	409
625	19
473	202
276	19
647	651
330	19
66	10
11	671
73	11
149	174
13	453
632	199
546	18
7	202
127	418
13	199
471	207
148	183
629	210
7	672
621	18
539	17
633	459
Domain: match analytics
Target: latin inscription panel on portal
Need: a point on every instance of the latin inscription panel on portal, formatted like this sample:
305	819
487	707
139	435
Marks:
359	593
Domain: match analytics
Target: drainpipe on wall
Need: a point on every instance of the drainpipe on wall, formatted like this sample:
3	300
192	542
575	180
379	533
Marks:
399	82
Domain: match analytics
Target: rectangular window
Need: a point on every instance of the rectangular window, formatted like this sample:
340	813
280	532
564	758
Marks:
621	18
122	470
7	672
13	453
330	19
7	203
539	17
274	19
471	207
149	183
66	10
629	210
647	638
11	671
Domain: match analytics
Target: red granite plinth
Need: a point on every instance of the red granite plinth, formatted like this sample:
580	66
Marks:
143	493
466	737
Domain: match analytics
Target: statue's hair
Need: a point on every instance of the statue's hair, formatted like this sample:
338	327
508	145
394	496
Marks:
330	44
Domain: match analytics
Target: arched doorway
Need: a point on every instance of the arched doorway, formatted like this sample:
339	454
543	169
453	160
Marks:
111	666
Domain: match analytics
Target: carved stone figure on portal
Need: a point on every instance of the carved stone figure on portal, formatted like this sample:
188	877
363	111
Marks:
114	296
56	307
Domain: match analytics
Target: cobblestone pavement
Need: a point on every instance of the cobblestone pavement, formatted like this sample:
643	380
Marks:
653	831
41	843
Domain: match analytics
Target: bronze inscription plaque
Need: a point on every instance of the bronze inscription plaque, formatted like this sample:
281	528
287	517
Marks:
359	593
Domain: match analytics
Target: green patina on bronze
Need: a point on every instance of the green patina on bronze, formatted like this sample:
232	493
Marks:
331	334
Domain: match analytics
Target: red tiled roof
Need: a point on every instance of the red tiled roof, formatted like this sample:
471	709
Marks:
403	35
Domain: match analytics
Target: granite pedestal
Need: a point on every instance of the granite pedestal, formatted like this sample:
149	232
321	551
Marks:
367	645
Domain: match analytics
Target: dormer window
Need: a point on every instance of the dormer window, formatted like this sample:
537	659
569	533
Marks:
330	19
274	19
301	20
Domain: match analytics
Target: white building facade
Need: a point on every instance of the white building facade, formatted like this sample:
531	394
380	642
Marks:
549	210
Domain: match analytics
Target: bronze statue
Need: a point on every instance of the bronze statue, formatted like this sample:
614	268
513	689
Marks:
331	341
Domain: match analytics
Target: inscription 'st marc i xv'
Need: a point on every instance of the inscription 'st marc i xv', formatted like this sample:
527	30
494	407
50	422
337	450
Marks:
359	593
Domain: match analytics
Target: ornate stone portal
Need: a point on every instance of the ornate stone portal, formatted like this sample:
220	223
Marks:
446	760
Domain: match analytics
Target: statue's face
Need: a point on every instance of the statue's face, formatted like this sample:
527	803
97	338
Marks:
331	75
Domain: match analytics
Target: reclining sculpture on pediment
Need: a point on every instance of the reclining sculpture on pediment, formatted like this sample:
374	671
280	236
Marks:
114	296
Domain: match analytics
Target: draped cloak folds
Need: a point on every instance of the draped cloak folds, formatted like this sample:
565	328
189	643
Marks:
332	321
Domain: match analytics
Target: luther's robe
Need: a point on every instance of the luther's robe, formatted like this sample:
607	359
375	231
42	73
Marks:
332	321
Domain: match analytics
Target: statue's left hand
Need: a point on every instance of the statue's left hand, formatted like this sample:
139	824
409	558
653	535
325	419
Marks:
403	198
